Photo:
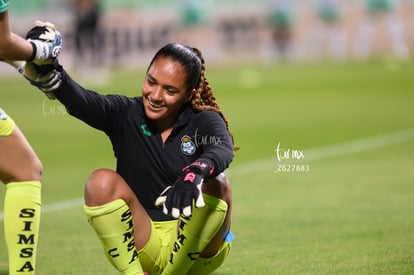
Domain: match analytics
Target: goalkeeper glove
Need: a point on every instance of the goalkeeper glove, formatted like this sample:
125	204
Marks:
46	42
178	198
44	77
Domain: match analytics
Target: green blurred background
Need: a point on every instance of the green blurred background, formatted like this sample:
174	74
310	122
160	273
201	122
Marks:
351	213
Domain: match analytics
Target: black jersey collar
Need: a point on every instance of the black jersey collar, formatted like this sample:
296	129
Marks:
184	117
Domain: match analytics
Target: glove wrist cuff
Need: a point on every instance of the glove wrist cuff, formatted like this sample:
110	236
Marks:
32	57
202	166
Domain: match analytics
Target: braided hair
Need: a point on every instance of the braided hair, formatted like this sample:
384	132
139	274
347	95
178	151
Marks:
192	62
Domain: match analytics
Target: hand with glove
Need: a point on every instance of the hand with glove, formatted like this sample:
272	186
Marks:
47	45
178	198
45	77
46	42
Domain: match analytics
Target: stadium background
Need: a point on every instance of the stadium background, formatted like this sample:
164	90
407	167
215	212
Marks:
226	31
351	213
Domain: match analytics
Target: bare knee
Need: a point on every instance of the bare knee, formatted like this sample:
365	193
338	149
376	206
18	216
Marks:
219	187
100	187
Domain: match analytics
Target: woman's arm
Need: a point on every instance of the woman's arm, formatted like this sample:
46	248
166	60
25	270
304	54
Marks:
12	46
211	133
44	42
95	109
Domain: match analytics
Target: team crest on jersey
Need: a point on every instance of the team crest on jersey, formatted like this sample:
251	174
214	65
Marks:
187	146
3	114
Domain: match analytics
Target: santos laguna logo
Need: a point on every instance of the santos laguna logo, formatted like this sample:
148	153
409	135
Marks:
190	144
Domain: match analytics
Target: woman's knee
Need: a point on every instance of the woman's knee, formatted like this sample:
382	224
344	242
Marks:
219	187
100	187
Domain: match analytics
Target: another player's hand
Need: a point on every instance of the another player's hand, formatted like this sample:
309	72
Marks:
46	42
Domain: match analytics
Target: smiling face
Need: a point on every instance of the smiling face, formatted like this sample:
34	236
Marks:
164	91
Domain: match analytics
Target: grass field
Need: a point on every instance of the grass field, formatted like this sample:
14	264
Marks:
351	213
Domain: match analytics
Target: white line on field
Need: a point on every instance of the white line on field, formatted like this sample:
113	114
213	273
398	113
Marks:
328	151
57	206
335	150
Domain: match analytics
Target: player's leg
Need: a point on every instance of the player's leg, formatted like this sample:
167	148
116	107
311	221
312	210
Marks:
20	170
154	255
120	221
218	249
219	188
206	266
18	161
203	234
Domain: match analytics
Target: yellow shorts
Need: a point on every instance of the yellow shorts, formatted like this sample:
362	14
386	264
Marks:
156	253
6	124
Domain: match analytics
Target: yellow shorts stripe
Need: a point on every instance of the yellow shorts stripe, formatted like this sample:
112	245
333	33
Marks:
6	124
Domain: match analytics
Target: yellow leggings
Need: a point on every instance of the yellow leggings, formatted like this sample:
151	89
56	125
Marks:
156	253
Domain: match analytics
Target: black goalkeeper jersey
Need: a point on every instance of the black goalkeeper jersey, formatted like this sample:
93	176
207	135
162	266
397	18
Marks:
146	163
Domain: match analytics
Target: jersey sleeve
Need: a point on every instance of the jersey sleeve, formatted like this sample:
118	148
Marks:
211	133
95	109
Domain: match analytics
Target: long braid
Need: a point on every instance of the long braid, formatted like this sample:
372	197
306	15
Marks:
203	99
193	64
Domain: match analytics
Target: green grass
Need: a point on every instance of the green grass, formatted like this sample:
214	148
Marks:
350	214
